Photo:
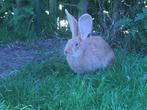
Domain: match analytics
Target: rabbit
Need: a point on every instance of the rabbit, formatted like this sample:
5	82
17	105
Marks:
86	53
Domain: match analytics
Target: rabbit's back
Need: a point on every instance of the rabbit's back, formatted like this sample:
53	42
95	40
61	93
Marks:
99	51
97	54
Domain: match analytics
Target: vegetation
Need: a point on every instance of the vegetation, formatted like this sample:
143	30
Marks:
50	86
122	23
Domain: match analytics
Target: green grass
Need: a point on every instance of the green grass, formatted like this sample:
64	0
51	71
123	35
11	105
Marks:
51	85
11	36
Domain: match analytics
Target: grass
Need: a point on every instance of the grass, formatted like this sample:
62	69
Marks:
7	37
51	85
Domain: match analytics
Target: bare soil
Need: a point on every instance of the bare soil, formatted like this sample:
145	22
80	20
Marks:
15	55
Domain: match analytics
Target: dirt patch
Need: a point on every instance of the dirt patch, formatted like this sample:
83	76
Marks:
15	55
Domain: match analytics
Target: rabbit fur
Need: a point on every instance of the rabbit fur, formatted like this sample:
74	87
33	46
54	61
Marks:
86	54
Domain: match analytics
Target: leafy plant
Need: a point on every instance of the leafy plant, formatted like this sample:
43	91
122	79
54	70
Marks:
23	20
135	31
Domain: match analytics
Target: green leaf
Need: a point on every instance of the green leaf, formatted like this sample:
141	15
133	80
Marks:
133	31
28	10
139	17
125	22
143	39
145	26
144	11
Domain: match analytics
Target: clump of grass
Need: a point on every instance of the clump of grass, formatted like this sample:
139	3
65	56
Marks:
52	85
11	36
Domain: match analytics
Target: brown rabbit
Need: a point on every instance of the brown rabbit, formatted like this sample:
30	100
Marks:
86	54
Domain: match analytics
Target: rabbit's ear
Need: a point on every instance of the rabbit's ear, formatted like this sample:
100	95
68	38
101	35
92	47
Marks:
72	24
85	25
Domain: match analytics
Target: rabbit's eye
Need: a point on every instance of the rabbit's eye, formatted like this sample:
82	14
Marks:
77	44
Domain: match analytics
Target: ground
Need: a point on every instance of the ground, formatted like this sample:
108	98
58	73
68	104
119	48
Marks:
36	76
15	55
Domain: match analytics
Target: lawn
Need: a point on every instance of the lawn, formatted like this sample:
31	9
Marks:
51	85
